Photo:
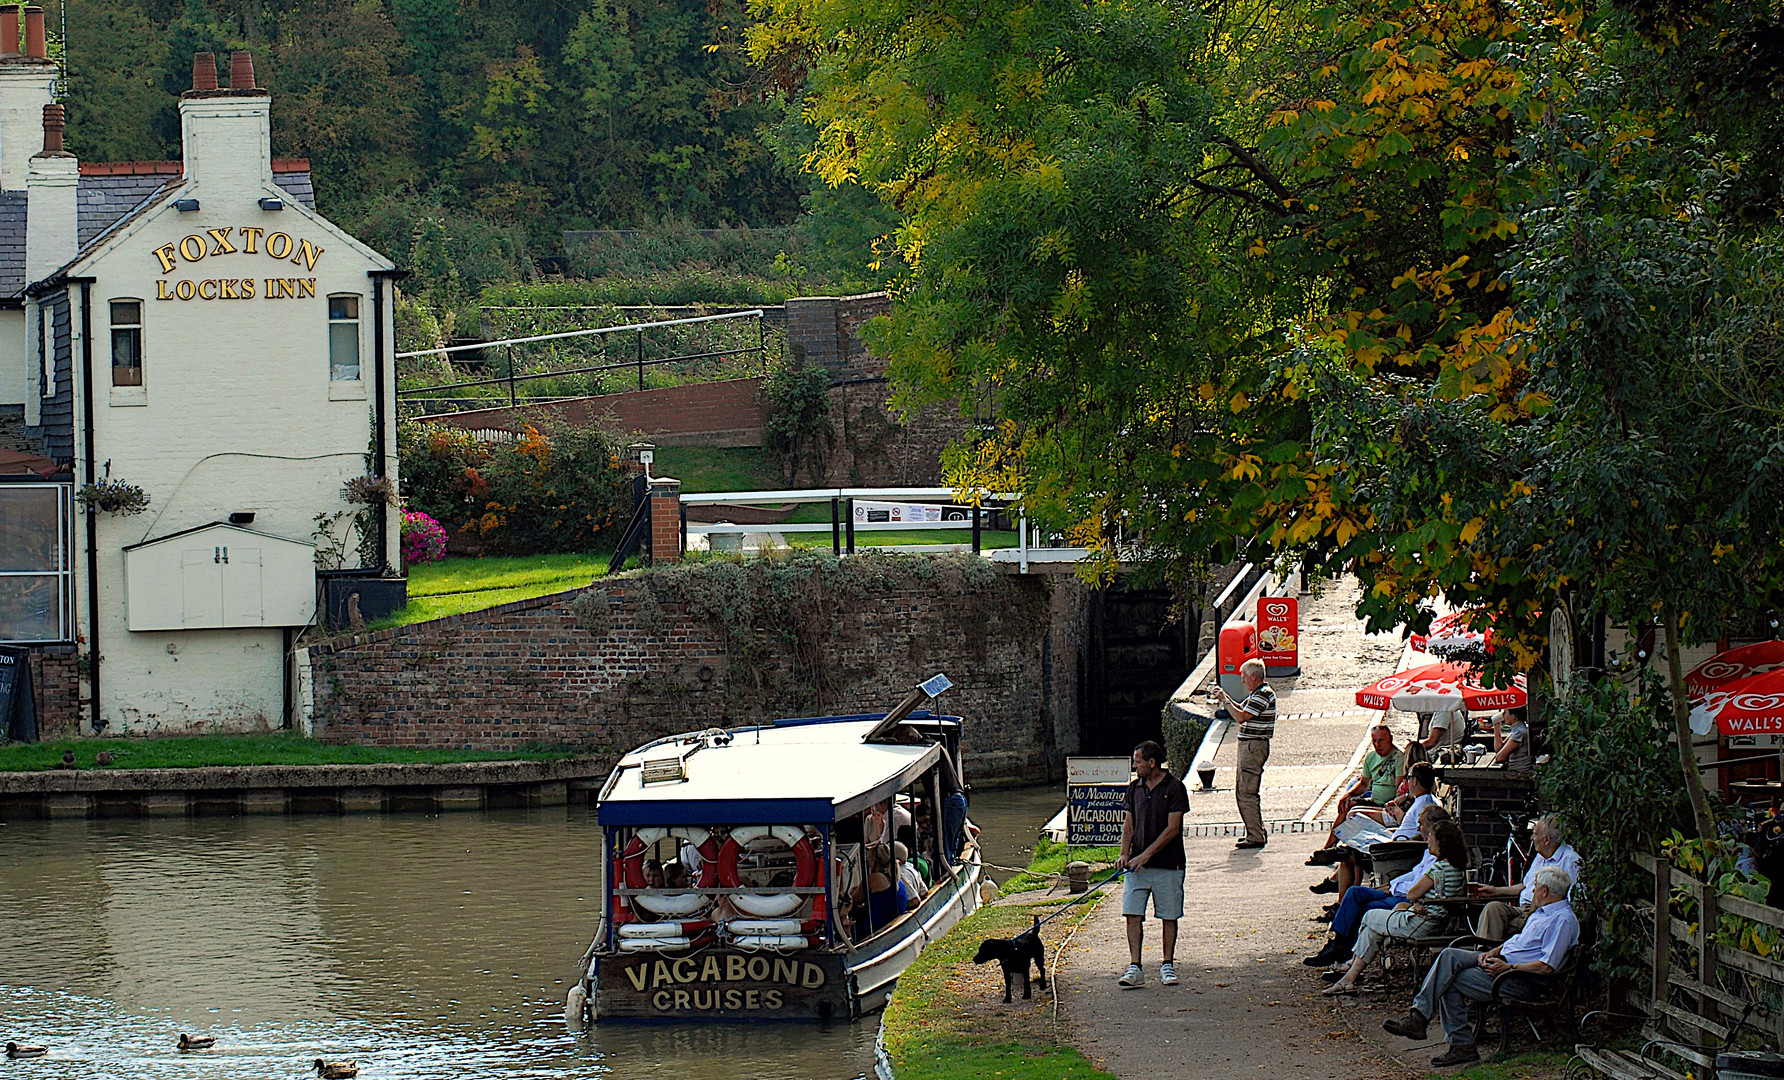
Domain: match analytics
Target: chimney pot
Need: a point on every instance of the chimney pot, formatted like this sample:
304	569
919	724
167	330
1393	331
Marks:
241	70
54	121
204	71
35	47
9	30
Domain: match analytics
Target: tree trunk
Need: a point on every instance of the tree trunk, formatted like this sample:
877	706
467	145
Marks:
1681	714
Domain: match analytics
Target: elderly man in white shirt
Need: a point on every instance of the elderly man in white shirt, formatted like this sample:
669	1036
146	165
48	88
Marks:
1461	976
1499	920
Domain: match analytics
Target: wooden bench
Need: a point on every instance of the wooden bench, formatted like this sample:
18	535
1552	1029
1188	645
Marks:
1688	1015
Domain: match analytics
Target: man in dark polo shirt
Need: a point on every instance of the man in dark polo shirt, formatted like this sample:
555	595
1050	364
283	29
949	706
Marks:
1152	855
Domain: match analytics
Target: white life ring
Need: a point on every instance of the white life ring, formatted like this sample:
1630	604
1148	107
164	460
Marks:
631	861
774	942
805	872
766	905
672	904
748	927
654	944
664	929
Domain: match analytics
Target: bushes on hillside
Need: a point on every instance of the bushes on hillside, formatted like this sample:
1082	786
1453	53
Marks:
559	489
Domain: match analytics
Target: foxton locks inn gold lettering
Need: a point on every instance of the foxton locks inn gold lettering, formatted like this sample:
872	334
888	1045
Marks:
230	240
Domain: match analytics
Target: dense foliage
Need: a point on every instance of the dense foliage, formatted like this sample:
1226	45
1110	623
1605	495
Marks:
554	490
800	435
1478	301
1616	788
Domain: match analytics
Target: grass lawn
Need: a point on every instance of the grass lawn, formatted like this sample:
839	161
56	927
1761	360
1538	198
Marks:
457	585
1050	860
946	1020
1534	1065
720	468
273	748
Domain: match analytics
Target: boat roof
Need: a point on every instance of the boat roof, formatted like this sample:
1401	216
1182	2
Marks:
804	771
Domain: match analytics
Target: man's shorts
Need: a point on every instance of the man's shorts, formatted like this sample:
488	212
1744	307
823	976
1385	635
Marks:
1165	887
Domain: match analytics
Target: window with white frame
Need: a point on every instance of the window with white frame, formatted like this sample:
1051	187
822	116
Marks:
343	337
126	342
36	586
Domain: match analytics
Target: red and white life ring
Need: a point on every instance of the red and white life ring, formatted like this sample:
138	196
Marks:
805	861
632	860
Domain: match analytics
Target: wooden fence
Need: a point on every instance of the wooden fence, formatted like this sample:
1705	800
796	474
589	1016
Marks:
1702	993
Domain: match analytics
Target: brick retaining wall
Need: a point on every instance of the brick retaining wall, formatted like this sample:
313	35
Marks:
627	660
55	672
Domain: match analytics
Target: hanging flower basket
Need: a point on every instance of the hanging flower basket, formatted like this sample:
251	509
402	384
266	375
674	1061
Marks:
371	491
113	497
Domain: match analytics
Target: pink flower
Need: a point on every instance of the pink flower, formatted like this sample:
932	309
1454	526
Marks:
424	539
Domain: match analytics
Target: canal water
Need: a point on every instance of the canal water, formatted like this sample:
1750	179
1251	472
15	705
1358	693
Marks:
422	947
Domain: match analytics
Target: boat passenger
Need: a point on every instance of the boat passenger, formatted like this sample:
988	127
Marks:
653	873
908	876
886	896
675	876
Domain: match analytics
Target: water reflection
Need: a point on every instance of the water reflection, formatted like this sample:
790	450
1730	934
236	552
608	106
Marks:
421	946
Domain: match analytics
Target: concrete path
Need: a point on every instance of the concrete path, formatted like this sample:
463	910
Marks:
1319	724
1246	1008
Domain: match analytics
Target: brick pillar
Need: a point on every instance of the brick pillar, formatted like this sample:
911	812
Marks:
665	519
812	332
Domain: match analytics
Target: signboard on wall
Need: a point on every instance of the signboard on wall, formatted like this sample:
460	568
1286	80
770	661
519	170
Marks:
1095	788
1279	633
18	705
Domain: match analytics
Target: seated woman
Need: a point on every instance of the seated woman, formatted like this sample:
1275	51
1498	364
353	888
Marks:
1511	741
1423	910
653	873
886	896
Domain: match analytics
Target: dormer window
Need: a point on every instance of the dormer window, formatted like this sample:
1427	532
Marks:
343	338
126	342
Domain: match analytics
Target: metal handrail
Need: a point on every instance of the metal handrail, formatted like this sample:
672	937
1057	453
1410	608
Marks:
580	333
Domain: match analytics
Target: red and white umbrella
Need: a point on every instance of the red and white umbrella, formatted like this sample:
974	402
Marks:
1438	688
1750	706
1453	631
1731	665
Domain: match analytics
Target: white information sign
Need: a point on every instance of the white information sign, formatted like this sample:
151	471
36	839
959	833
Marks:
1094	791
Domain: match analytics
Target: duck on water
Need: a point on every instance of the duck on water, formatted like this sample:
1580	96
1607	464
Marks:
751	874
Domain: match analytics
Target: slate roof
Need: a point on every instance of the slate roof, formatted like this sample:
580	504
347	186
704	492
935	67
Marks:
12	242
110	192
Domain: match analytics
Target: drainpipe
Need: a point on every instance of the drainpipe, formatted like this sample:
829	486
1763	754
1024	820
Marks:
380	415
86	285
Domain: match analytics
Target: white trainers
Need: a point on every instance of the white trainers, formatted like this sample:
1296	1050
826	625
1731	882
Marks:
1132	977
1167	973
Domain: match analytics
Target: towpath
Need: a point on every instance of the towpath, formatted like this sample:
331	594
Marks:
1247	1007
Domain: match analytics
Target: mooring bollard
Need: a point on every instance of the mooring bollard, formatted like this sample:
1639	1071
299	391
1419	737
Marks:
1077	876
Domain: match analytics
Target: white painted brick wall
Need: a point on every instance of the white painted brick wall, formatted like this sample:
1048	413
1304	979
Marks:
236	413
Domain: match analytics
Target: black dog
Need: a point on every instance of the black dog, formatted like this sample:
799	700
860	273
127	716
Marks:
1015	954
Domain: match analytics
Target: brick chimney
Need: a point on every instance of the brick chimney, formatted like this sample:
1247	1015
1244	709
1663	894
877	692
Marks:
27	84
51	238
226	132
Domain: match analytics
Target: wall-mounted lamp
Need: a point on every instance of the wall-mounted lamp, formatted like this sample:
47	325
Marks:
185	206
242	517
270	203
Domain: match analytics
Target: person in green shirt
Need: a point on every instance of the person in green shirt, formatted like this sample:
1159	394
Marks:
1383	766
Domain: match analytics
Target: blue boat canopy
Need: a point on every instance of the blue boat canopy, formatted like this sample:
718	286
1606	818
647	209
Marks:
807	771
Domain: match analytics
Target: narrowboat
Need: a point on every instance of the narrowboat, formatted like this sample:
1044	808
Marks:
750	874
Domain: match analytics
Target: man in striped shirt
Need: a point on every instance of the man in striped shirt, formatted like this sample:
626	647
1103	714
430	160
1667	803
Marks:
1257	725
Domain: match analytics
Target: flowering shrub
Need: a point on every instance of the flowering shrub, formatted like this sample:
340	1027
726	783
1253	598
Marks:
555	489
424	540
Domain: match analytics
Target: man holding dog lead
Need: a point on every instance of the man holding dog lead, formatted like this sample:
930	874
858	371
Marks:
1152	855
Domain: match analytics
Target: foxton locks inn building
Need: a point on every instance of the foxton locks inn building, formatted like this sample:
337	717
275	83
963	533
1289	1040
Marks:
194	364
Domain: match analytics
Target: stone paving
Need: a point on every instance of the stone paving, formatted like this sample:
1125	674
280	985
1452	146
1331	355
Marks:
1247	1007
